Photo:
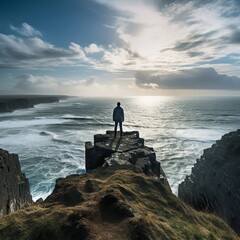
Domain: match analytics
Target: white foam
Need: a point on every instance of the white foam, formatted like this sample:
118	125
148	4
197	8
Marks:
71	116
19	112
48	152
28	123
200	134
30	138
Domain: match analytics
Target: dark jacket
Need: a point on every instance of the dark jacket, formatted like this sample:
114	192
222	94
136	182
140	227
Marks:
118	114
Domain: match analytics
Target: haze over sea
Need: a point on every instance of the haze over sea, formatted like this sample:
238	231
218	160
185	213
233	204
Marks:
50	137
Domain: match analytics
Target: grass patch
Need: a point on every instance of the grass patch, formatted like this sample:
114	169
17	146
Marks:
116	203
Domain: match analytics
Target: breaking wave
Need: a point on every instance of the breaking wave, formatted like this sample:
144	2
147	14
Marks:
50	137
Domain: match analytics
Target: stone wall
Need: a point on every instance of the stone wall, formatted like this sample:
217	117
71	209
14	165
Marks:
14	186
214	183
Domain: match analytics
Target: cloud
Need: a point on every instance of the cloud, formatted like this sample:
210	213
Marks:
29	83
26	30
32	52
49	85
93	48
18	52
172	34
198	78
117	59
90	81
235	37
163	38
76	48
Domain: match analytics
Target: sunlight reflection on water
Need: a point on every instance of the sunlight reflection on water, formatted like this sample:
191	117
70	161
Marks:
50	140
151	101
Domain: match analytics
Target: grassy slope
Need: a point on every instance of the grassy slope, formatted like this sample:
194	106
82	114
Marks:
112	203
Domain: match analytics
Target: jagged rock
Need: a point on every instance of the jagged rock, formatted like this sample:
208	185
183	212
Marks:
128	149
14	186
39	201
214	183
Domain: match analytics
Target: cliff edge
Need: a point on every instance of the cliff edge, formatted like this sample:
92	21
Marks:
12	103
116	200
14	186
214	183
108	150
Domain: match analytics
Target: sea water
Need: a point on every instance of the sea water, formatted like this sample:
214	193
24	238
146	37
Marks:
49	138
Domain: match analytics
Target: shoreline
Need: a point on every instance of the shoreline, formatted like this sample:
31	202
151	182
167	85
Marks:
10	103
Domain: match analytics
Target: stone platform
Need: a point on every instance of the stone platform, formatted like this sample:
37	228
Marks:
108	150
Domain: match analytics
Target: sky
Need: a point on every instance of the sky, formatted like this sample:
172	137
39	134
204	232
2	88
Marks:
120	47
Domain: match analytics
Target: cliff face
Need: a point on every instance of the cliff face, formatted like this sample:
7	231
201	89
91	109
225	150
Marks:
214	183
11	103
14	186
108	150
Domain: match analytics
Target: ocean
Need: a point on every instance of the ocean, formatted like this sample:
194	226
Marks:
49	138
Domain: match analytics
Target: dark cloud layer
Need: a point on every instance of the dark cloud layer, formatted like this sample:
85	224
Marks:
198	78
197	3
188	45
195	40
235	37
18	52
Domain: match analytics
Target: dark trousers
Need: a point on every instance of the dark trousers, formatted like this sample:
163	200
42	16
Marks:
115	129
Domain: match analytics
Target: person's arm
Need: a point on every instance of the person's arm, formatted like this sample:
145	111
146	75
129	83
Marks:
122	115
114	114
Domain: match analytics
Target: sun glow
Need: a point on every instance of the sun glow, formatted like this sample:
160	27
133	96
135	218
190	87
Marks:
150	101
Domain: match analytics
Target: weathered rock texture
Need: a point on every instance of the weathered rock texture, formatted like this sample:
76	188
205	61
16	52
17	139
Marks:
214	183
11	103
115	203
128	149
14	186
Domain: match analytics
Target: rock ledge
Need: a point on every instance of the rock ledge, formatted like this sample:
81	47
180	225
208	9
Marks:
108	150
14	186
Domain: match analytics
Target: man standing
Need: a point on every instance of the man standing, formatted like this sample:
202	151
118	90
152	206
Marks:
118	117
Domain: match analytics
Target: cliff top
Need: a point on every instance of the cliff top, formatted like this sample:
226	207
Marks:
16	96
109	150
9	103
118	202
122	196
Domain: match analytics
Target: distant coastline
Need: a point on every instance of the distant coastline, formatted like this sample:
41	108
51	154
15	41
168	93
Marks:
10	103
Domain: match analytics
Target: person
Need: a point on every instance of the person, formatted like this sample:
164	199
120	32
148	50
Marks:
118	118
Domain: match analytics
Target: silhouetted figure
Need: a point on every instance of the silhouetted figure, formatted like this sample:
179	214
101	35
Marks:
118	118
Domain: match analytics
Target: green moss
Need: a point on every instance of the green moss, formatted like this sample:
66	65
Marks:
148	210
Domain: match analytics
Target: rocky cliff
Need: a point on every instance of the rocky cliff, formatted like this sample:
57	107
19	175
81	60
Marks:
117	202
108	150
122	196
11	103
14	186
214	183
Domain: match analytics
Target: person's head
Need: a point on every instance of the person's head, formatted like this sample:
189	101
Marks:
118	104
